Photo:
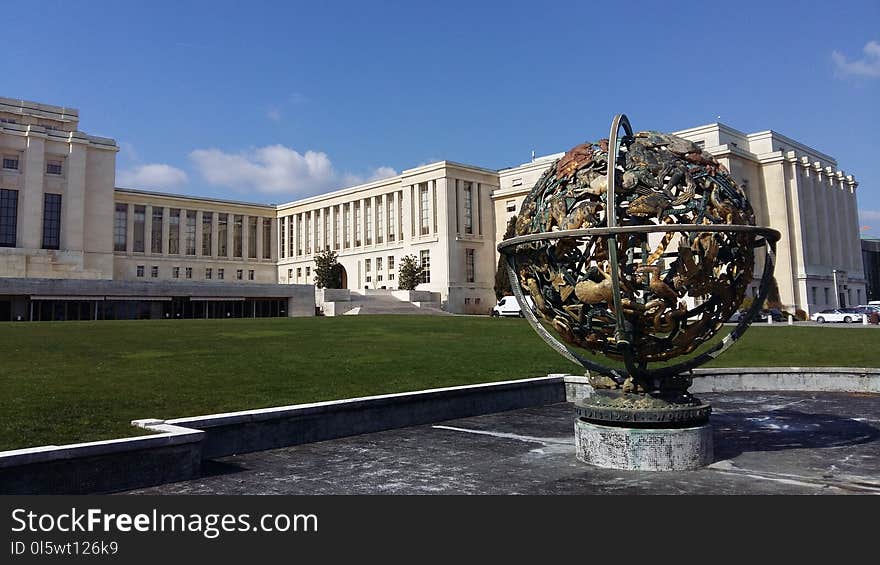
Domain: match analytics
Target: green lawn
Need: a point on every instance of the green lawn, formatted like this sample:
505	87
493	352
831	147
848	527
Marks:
66	382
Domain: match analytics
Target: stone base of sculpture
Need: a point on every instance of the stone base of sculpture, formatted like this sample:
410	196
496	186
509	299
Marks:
643	449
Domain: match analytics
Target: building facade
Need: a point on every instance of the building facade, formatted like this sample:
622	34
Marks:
792	188
62	219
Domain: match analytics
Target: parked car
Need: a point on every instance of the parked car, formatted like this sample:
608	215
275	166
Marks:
867	309
508	306
846	315
761	316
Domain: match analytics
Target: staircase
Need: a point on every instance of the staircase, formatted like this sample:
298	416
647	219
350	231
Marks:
385	304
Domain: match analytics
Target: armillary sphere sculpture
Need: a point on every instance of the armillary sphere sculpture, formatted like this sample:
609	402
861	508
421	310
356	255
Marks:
637	247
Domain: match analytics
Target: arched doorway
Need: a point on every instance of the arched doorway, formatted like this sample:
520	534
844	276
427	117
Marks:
341	276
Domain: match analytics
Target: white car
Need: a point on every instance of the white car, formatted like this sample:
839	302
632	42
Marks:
508	306
846	315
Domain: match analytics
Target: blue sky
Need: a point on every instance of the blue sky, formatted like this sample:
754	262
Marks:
271	101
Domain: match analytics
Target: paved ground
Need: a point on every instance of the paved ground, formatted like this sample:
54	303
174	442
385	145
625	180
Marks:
765	443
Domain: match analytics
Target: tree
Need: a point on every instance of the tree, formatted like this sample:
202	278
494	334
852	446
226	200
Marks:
502	281
409	273
328	271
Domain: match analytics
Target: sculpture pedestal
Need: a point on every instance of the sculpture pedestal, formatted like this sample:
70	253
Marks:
643	449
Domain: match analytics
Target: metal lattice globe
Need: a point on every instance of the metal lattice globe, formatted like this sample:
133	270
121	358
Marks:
641	267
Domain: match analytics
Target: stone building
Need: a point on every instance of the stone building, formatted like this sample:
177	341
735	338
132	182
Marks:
150	254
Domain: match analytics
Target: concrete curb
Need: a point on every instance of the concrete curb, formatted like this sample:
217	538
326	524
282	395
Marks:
175	452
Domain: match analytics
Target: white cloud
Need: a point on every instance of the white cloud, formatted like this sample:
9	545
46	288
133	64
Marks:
276	169
869	216
867	66
154	175
274	114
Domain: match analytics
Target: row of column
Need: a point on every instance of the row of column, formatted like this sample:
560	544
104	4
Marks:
182	228
309	232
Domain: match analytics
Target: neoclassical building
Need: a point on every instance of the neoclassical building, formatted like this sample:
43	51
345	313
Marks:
73	245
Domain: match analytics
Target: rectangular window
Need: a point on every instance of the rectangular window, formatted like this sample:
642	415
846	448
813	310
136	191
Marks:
53	166
391	219
175	272
282	225
252	237
221	274
378	263
154	272
190	238
468	208
8	217
307	222
51	221
250	274
289	275
298	272
357	224
347	225
380	221
826	296
469	264
511	205
391	276
368	215
336	231
174	231
156	230
189	272
390	262
325	221
237	226
291	227
308	272
267	238
467	300
815	294
140	216
367	264
209	273
426	265
369	278
120	227
222	235
423	209
207	229
238	274
379	278
10	162
140	271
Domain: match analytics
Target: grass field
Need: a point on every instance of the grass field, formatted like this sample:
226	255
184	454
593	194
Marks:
67	382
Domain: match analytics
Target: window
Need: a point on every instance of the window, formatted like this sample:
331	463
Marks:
10	162
298	272
282	228
391	220
175	272
237	225
366	265
814	291
468	207
207	229
517	182
222	235
190	239
347	242
858	296
154	272
8	217
379	278
511	205
467	300
291	227
221	274
267	238
357	224
189	272
120	227
336	231
250	274
477	301
380	223
469	264
252	237
140	271
51	221
325	221
53	166
140	216
156	230
289	274
238	274
307	221
174	231
308	272
391	276
369	278
826	295
426	265
209	273
423	208
368	216
378	263
8	121
390	262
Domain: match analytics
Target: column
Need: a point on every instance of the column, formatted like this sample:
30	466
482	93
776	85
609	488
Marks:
199	238
31	221
73	203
